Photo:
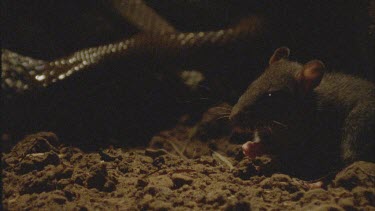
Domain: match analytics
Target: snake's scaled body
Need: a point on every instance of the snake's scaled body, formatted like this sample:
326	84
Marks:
21	73
104	87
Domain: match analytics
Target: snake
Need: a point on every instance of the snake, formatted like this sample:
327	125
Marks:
22	74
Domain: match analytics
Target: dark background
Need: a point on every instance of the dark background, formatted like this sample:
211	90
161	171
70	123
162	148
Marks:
336	32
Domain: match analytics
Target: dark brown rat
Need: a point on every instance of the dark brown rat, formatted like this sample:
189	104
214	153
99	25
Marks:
306	116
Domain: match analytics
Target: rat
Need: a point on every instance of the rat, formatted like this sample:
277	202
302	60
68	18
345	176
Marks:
309	118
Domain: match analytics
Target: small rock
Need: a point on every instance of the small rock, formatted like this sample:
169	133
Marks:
216	197
108	157
360	173
281	181
158	190
59	199
154	153
97	178
36	143
123	167
160	205
142	183
245	169
162	180
159	161
179	180
37	161
364	196
63	183
319	195
238	205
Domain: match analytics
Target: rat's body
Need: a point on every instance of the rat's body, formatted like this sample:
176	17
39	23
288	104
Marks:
310	118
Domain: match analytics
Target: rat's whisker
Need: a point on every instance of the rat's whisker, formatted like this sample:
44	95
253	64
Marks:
227	115
205	87
223	113
223	108
223	117
279	123
193	100
269	129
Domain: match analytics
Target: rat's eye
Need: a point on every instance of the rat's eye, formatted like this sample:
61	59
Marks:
274	96
272	104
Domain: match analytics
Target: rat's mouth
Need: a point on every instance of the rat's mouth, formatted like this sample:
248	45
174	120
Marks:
253	149
257	141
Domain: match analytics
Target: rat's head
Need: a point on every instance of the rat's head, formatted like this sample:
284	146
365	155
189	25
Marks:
276	97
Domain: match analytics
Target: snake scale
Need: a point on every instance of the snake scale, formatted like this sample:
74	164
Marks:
21	74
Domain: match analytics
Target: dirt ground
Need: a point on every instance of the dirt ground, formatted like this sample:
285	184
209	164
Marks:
189	167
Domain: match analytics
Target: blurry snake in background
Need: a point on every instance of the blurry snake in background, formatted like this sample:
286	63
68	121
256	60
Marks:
21	74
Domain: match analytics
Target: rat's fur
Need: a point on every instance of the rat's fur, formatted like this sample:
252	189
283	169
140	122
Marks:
334	120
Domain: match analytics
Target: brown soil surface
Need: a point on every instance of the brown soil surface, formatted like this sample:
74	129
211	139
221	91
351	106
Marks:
190	167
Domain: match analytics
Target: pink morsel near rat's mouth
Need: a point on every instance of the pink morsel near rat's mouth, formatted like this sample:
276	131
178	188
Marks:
253	148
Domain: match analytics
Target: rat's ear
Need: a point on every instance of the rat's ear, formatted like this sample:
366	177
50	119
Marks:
311	75
280	53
